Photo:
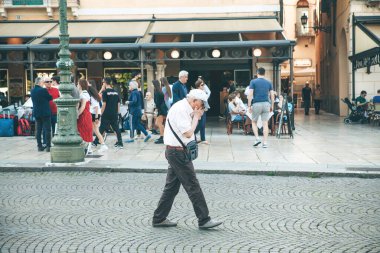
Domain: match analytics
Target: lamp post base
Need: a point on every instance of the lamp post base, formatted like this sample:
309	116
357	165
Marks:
67	154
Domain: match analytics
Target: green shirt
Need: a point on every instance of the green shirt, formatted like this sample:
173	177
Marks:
360	100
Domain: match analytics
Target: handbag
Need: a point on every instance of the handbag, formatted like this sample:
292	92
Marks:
191	149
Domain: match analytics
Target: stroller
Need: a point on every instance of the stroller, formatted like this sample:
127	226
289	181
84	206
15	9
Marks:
355	114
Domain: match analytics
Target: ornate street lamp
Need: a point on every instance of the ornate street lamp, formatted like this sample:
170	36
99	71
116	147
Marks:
326	29
66	142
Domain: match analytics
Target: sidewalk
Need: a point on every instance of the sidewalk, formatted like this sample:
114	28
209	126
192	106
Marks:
322	146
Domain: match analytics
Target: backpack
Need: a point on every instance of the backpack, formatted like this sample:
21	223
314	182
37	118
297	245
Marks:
23	128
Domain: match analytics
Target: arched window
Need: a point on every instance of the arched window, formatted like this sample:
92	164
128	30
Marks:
302	4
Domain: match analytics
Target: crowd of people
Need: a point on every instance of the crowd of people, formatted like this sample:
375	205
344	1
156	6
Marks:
99	111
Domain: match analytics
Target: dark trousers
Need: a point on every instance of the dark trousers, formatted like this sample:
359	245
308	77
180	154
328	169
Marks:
181	171
105	124
53	122
135	124
202	127
43	123
306	104
317	105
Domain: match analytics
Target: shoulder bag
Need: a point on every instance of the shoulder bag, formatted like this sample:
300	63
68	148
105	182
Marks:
191	149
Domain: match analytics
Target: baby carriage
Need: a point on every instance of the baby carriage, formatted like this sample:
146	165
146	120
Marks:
355	114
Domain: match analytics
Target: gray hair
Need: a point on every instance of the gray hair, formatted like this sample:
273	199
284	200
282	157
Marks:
183	73
133	85
37	80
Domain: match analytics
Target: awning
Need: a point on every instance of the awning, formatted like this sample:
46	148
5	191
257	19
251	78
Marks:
300	72
366	42
363	41
24	30
103	29
215	26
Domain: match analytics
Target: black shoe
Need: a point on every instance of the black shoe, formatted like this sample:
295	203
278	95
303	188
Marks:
95	143
159	141
119	145
47	149
40	149
165	223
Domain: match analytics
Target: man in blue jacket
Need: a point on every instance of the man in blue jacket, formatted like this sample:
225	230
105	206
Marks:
41	112
134	106
179	90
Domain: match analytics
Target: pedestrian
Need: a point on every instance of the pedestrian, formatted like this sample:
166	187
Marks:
162	110
179	89
55	81
183	119
54	92
260	89
317	96
149	110
42	113
200	84
84	122
134	106
306	97
110	112
167	91
95	116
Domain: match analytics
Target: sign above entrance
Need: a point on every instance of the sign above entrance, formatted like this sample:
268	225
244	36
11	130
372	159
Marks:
302	62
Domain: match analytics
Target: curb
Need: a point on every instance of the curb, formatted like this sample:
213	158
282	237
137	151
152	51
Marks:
310	174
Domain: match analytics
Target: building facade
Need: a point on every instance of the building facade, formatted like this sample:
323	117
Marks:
348	54
219	40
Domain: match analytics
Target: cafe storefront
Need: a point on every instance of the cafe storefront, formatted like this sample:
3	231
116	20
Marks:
217	49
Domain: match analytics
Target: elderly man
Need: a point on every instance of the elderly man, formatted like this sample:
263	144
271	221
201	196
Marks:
183	118
42	113
179	89
54	92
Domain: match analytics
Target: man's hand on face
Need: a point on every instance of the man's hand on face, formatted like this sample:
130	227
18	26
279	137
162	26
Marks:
198	112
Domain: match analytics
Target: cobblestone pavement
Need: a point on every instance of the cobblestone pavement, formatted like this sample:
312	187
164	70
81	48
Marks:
111	212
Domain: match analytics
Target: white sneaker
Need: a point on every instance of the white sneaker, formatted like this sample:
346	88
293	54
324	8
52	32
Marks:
256	143
265	145
103	148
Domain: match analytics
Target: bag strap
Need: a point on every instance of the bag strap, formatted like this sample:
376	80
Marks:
183	145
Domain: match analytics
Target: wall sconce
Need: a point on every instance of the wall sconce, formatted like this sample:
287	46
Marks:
257	52
216	53
107	55
326	29
174	54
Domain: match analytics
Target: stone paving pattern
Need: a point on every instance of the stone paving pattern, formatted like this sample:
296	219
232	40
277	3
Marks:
112	212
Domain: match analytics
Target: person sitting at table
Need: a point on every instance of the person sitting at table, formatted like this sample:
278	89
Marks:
235	110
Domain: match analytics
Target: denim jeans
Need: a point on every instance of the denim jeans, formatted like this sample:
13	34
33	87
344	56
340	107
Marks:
135	124
202	127
181	171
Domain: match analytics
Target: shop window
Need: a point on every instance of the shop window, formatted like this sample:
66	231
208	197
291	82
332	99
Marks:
4	87
27	2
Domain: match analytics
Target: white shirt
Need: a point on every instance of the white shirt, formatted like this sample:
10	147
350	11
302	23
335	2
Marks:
149	106
84	95
180	119
93	104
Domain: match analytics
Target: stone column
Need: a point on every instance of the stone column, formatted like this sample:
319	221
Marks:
268	70
160	71
149	77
